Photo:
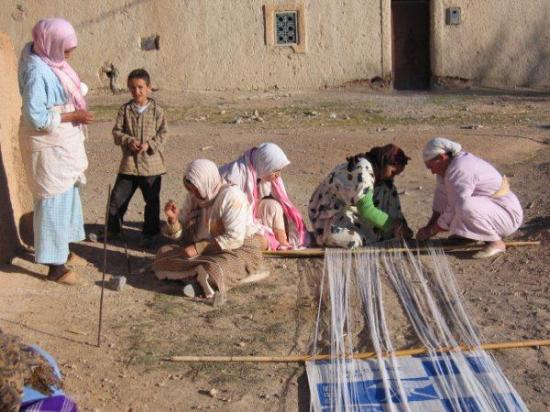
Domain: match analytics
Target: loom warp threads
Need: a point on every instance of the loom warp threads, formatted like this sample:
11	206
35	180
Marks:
425	287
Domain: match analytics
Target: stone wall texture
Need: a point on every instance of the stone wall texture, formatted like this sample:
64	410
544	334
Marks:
501	43
213	44
221	44
15	197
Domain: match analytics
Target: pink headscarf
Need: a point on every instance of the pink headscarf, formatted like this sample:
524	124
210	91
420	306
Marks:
259	162
51	38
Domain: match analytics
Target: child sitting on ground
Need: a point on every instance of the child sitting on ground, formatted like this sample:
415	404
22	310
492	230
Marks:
140	131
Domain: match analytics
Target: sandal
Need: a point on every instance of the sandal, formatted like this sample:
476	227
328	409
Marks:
69	278
75	260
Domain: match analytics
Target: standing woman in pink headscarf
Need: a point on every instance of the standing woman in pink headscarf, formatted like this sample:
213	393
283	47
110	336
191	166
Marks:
55	113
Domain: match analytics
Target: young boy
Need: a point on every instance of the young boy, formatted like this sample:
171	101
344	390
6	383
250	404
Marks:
140	131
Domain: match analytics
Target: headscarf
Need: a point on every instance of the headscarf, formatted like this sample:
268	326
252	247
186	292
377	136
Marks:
244	173
379	157
268	158
204	175
51	38
440	145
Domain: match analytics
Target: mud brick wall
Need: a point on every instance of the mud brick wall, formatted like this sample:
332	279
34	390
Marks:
15	196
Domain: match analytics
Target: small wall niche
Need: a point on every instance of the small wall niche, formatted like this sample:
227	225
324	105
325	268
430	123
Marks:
150	43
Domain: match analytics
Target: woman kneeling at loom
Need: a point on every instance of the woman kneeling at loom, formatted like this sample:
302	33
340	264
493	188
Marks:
258	173
221	246
357	203
472	199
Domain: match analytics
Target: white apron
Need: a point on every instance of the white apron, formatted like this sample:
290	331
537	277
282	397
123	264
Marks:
58	157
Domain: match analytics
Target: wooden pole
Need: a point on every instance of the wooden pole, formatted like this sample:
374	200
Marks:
104	266
319	252
358	355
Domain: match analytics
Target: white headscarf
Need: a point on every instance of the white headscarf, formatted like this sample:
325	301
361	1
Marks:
440	145
268	158
204	175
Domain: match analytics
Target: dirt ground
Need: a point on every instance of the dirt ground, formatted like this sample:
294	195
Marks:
507	297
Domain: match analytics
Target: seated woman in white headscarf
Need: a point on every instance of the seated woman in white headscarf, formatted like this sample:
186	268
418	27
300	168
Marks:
220	247
258	173
472	199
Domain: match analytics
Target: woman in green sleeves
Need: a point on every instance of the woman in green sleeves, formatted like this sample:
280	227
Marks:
357	203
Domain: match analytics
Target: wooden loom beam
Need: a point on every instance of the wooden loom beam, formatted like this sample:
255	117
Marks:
359	355
319	252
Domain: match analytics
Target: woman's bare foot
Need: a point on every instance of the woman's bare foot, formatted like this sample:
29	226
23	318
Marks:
202	279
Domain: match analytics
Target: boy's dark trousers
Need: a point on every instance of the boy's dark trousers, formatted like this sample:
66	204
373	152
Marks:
125	187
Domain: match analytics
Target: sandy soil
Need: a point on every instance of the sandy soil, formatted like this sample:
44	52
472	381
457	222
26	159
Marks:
508	297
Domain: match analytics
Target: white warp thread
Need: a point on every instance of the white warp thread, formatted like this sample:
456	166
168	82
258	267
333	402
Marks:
430	300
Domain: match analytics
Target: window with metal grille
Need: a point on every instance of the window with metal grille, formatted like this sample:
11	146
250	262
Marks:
286	30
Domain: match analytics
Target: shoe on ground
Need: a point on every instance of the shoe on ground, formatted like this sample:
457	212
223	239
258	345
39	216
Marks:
100	236
75	260
488	252
69	278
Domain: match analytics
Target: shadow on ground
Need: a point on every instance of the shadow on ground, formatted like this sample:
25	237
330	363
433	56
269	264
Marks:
536	228
43	332
130	237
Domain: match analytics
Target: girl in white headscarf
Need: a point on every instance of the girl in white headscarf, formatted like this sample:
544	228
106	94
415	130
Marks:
472	199
258	173
221	247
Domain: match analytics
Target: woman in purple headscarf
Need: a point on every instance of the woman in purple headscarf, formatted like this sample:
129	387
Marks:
55	113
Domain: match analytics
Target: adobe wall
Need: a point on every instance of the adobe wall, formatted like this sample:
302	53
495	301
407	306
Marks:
15	197
222	45
215	44
501	43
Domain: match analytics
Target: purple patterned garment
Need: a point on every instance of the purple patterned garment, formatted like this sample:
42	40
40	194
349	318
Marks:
52	404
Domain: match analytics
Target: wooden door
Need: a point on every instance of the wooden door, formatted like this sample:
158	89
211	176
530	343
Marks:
411	44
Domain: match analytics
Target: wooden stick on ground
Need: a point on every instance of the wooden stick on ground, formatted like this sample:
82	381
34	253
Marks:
319	252
358	355
104	266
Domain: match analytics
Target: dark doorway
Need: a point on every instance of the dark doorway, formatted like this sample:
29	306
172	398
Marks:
411	44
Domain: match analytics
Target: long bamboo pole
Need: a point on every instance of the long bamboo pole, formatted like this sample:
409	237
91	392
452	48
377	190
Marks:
319	252
358	355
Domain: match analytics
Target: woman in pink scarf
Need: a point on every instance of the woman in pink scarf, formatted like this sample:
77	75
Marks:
54	111
258	173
